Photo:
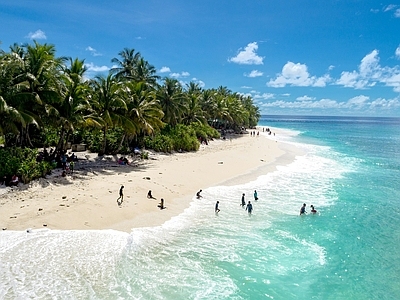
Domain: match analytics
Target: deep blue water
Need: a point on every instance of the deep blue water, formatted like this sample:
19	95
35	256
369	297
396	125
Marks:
349	169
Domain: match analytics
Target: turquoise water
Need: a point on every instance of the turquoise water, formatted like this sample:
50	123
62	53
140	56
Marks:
350	171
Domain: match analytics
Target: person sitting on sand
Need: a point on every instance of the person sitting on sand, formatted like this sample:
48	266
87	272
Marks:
303	209
313	210
149	195
14	180
161	205
198	194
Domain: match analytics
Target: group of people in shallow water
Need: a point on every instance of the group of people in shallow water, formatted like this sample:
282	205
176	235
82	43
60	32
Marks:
303	209
248	207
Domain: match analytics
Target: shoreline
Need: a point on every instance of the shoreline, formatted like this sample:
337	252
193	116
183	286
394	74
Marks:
87	201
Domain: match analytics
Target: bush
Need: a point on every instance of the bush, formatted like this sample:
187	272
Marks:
205	131
159	143
22	162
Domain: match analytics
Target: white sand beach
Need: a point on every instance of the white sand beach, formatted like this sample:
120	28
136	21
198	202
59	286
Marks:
88	198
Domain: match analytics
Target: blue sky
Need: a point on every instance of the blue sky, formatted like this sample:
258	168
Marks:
293	57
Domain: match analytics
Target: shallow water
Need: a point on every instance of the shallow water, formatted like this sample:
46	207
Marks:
346	251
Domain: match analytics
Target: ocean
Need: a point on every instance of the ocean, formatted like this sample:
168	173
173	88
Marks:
349	170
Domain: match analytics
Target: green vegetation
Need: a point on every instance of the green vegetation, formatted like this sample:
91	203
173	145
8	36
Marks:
46	101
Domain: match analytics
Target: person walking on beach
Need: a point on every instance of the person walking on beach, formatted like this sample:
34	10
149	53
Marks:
121	195
161	205
255	195
303	209
249	208
217	210
243	202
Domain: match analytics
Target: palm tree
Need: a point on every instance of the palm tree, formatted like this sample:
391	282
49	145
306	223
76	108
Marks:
111	108
144	72
74	109
172	101
143	108
126	66
37	84
194	112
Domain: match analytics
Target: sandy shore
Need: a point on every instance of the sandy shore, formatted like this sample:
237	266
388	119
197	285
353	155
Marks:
87	199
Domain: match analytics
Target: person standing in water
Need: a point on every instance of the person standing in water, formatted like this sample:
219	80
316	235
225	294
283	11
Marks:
243	202
217	208
255	195
303	209
249	208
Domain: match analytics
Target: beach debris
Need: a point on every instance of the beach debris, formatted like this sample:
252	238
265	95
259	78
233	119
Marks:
40	209
147	178
220	162
13	217
4	228
62	204
29	230
64	197
45	225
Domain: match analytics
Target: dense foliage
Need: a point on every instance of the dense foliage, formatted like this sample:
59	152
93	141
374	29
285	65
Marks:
47	101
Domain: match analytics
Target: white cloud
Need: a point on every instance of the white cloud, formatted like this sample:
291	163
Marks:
92	68
297	75
390	7
92	51
331	67
199	82
397	13
165	70
254	73
245	87
37	35
305	98
248	56
385	104
264	96
397	52
370	72
358	101
179	75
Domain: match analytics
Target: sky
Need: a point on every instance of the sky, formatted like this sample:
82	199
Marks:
308	57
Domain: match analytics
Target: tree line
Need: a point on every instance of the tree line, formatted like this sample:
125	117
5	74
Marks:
47	100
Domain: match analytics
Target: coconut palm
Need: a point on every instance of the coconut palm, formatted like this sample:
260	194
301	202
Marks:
146	73
110	106
37	84
194	112
126	66
172	101
74	109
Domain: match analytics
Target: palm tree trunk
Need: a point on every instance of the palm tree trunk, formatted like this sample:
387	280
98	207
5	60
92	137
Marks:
60	144
120	144
103	150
